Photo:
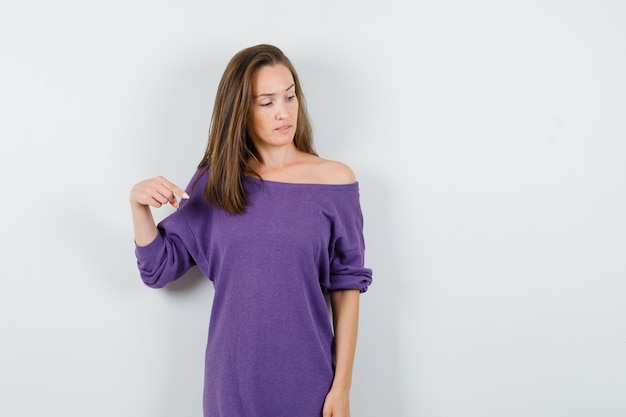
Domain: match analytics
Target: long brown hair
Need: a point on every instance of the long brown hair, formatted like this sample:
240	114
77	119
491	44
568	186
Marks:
229	146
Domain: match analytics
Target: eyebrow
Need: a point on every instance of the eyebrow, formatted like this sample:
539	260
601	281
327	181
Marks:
273	94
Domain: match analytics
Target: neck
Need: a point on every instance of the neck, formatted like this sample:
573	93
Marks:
274	158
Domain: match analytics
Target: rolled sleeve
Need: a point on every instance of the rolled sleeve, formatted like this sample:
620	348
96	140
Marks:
166	258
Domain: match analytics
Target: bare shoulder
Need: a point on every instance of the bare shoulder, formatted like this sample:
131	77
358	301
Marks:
338	172
332	172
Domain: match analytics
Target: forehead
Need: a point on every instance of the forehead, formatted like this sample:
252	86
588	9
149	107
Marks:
270	80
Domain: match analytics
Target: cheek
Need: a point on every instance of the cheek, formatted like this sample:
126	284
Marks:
294	110
261	120
255	122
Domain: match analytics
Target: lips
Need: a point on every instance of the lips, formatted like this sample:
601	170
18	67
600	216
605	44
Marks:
283	128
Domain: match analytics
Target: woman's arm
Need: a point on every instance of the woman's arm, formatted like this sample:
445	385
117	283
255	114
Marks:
153	192
345	307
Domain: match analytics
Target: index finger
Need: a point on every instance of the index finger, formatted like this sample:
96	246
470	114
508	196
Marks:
174	188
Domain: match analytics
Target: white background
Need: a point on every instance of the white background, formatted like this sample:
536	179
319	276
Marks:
489	138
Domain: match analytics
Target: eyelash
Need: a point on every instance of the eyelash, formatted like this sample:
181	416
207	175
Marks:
289	98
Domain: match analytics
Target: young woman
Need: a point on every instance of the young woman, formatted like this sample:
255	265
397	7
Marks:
279	232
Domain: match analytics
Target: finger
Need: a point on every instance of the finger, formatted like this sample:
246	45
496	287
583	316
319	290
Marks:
174	188
153	202
165	196
173	201
181	193
159	198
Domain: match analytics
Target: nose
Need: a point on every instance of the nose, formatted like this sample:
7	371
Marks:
281	112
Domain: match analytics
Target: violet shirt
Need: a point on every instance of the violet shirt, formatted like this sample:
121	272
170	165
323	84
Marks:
269	349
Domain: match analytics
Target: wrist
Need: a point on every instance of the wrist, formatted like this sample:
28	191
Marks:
341	385
135	205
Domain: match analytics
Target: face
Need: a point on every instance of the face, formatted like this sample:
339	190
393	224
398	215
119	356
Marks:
274	108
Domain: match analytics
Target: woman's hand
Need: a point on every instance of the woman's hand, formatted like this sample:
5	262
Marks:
337	403
155	192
